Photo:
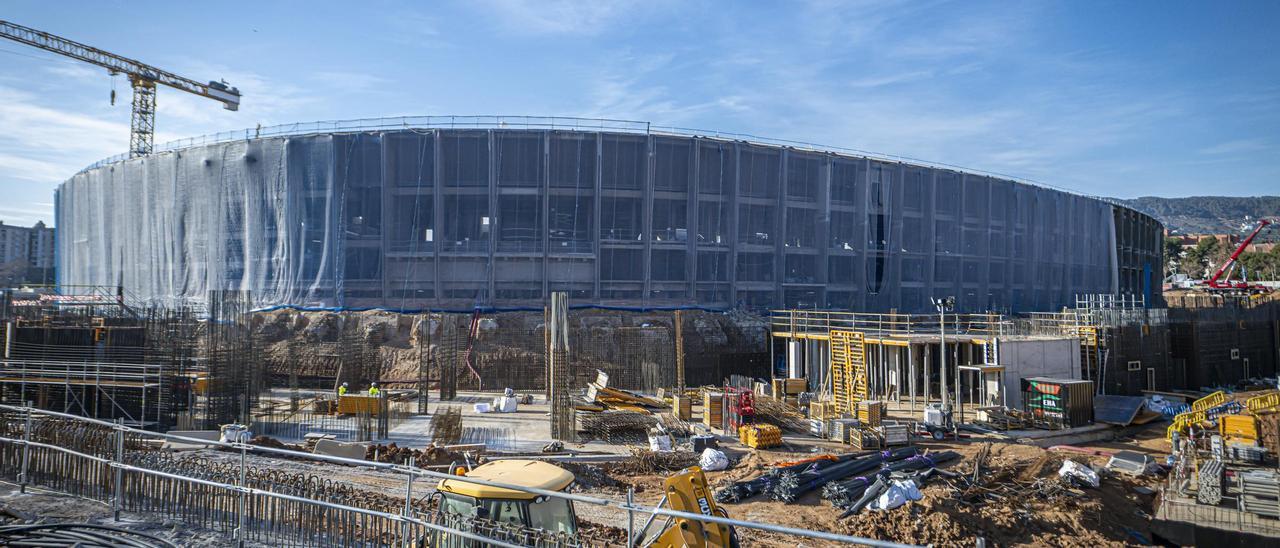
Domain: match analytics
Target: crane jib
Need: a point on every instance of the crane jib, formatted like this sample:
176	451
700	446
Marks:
144	77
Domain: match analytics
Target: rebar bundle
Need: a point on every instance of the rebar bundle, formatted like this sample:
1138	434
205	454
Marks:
87	535
446	426
779	414
764	483
615	426
793	484
854	494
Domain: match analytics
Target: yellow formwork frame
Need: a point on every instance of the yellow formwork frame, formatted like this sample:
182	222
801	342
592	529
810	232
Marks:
848	369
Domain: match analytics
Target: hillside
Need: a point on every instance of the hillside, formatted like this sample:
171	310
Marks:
1210	214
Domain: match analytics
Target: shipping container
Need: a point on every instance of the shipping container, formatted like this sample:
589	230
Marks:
1058	403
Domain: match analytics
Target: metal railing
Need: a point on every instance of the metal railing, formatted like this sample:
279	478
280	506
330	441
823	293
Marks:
567	123
255	510
821	322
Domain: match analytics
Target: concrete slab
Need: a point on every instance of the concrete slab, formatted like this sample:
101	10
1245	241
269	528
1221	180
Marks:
527	430
339	449
1069	436
172	445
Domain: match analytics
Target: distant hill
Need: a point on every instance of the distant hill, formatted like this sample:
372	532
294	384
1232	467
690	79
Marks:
1211	214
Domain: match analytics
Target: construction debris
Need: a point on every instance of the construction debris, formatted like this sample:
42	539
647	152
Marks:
431	456
644	461
615	426
600	395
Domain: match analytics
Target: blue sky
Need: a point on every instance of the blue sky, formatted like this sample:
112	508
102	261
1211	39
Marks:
1120	98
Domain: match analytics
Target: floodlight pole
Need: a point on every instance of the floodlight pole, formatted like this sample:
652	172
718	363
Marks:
942	305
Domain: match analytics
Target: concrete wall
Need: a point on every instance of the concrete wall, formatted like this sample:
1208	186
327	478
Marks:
1038	357
1149	346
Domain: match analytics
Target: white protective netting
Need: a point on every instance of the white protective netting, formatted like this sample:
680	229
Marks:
455	218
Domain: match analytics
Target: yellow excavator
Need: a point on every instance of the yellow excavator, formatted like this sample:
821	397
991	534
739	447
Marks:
529	519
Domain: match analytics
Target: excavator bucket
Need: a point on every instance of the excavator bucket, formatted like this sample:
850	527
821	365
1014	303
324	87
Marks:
687	491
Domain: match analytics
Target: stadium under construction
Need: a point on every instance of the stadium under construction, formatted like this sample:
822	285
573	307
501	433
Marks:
457	212
333	287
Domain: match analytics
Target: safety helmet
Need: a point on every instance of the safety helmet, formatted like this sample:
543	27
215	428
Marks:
344	384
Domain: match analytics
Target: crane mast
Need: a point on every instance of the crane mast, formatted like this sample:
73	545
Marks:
142	77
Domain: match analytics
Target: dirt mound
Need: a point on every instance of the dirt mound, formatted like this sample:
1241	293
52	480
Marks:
1019	500
592	478
431	456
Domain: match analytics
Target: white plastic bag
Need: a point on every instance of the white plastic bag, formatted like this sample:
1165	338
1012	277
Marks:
1081	472
483	408
659	442
898	493
505	404
713	460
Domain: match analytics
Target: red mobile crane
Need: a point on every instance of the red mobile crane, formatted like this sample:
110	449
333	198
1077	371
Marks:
1221	279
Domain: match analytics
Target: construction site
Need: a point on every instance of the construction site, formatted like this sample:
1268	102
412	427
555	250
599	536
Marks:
498	331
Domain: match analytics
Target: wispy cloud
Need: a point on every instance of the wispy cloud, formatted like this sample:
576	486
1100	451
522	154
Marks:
350	81
560	16
26	216
1237	146
407	27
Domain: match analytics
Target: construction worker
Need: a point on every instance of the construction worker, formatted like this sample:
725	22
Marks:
373	389
342	390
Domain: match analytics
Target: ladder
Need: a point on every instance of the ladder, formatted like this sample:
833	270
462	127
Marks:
848	370
1088	335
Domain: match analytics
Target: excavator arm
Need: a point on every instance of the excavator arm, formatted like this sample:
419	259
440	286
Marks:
687	491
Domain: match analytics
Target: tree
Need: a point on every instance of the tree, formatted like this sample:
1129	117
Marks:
1172	256
1199	257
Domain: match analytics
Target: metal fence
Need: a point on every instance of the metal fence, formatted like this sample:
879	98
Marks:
111	463
1174	508
567	123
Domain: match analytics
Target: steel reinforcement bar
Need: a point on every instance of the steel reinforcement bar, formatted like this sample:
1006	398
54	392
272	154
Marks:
221	502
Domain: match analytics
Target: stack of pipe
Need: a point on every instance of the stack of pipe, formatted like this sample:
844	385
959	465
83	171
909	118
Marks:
855	494
742	490
793	484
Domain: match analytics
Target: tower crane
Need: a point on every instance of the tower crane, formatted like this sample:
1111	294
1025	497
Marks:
142	76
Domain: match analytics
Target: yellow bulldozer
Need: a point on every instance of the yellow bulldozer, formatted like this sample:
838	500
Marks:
525	518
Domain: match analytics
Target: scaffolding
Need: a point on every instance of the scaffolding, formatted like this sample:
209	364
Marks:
852	357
